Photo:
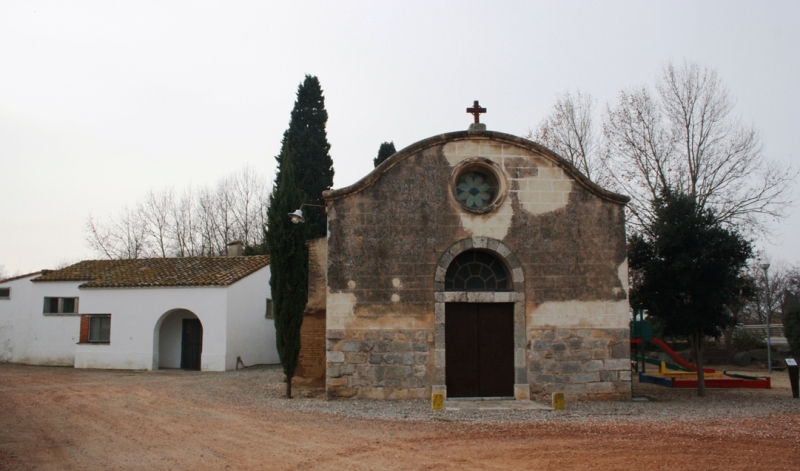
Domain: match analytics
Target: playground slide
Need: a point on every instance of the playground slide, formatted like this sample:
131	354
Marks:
678	359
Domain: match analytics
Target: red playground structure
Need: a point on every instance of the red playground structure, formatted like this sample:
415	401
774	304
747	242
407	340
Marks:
684	374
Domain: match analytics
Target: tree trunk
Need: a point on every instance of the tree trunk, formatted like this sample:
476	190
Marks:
288	387
697	346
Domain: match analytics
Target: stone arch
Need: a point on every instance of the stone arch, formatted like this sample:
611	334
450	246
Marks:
516	296
167	337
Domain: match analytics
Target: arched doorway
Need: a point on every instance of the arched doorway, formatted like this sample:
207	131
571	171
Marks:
179	340
479	336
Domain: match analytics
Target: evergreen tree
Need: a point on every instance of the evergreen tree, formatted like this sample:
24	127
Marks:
387	150
288	266
307	141
690	270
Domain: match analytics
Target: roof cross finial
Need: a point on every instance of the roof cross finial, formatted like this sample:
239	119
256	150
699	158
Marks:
476	111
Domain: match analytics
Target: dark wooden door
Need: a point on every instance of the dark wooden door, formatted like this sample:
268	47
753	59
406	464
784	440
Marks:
191	344
479	349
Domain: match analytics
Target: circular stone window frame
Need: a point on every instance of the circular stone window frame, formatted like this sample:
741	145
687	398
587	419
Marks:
486	165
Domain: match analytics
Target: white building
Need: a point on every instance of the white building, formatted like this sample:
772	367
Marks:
194	313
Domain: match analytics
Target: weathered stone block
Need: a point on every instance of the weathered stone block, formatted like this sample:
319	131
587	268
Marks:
621	350
570	367
575	343
333	371
335	357
335	334
520	375
610	376
625	375
519	358
400	347
334	382
563	333
350	346
348	368
438	334
593	365
559	346
438	312
355	357
420	346
541	345
585	377
595	343
618	364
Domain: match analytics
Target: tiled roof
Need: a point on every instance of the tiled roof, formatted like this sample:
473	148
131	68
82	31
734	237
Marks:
19	277
148	272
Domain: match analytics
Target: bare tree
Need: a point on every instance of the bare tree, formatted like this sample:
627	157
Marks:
766	297
687	140
198	223
156	215
570	131
122	237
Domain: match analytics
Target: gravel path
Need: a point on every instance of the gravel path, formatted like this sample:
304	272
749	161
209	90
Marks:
265	383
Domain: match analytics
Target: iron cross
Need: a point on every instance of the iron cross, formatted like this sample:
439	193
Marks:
476	111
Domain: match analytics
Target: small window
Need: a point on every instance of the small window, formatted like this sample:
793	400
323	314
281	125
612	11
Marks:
60	305
5	293
269	309
100	329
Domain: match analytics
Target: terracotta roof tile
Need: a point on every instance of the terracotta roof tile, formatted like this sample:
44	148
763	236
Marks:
151	272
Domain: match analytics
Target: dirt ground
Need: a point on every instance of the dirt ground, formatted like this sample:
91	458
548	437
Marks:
62	418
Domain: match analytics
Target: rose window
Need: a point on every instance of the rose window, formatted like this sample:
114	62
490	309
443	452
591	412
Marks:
476	189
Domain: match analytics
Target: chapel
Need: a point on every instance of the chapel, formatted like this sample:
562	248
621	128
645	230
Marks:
470	264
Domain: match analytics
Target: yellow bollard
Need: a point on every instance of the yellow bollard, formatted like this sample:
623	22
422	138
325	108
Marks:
558	401
437	401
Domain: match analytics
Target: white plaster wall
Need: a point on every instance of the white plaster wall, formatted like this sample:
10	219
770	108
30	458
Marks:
135	325
14	314
170	338
250	334
49	339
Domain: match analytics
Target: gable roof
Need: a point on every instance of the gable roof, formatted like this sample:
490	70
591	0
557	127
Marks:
441	139
154	272
19	277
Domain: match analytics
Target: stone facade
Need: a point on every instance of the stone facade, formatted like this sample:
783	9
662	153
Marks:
393	235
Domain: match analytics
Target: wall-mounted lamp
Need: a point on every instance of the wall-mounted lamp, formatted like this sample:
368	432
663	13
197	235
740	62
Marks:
297	216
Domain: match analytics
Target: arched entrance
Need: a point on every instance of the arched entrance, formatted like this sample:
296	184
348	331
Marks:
479	336
178	340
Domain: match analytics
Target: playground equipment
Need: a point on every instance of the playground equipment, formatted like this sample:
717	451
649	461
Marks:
684	374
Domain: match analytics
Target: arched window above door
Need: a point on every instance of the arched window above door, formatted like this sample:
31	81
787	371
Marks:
476	270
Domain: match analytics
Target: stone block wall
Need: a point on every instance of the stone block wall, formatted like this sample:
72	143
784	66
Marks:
379	364
584	364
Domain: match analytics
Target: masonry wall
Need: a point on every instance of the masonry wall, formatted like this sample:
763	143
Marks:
389	233
310	370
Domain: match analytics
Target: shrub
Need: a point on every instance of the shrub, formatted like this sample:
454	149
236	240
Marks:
791	328
744	340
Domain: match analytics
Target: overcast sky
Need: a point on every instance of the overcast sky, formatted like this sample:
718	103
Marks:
102	101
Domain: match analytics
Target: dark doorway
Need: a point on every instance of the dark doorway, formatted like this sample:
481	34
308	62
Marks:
479	349
191	344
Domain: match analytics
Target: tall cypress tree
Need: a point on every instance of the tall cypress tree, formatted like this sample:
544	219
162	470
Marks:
387	150
307	141
288	266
